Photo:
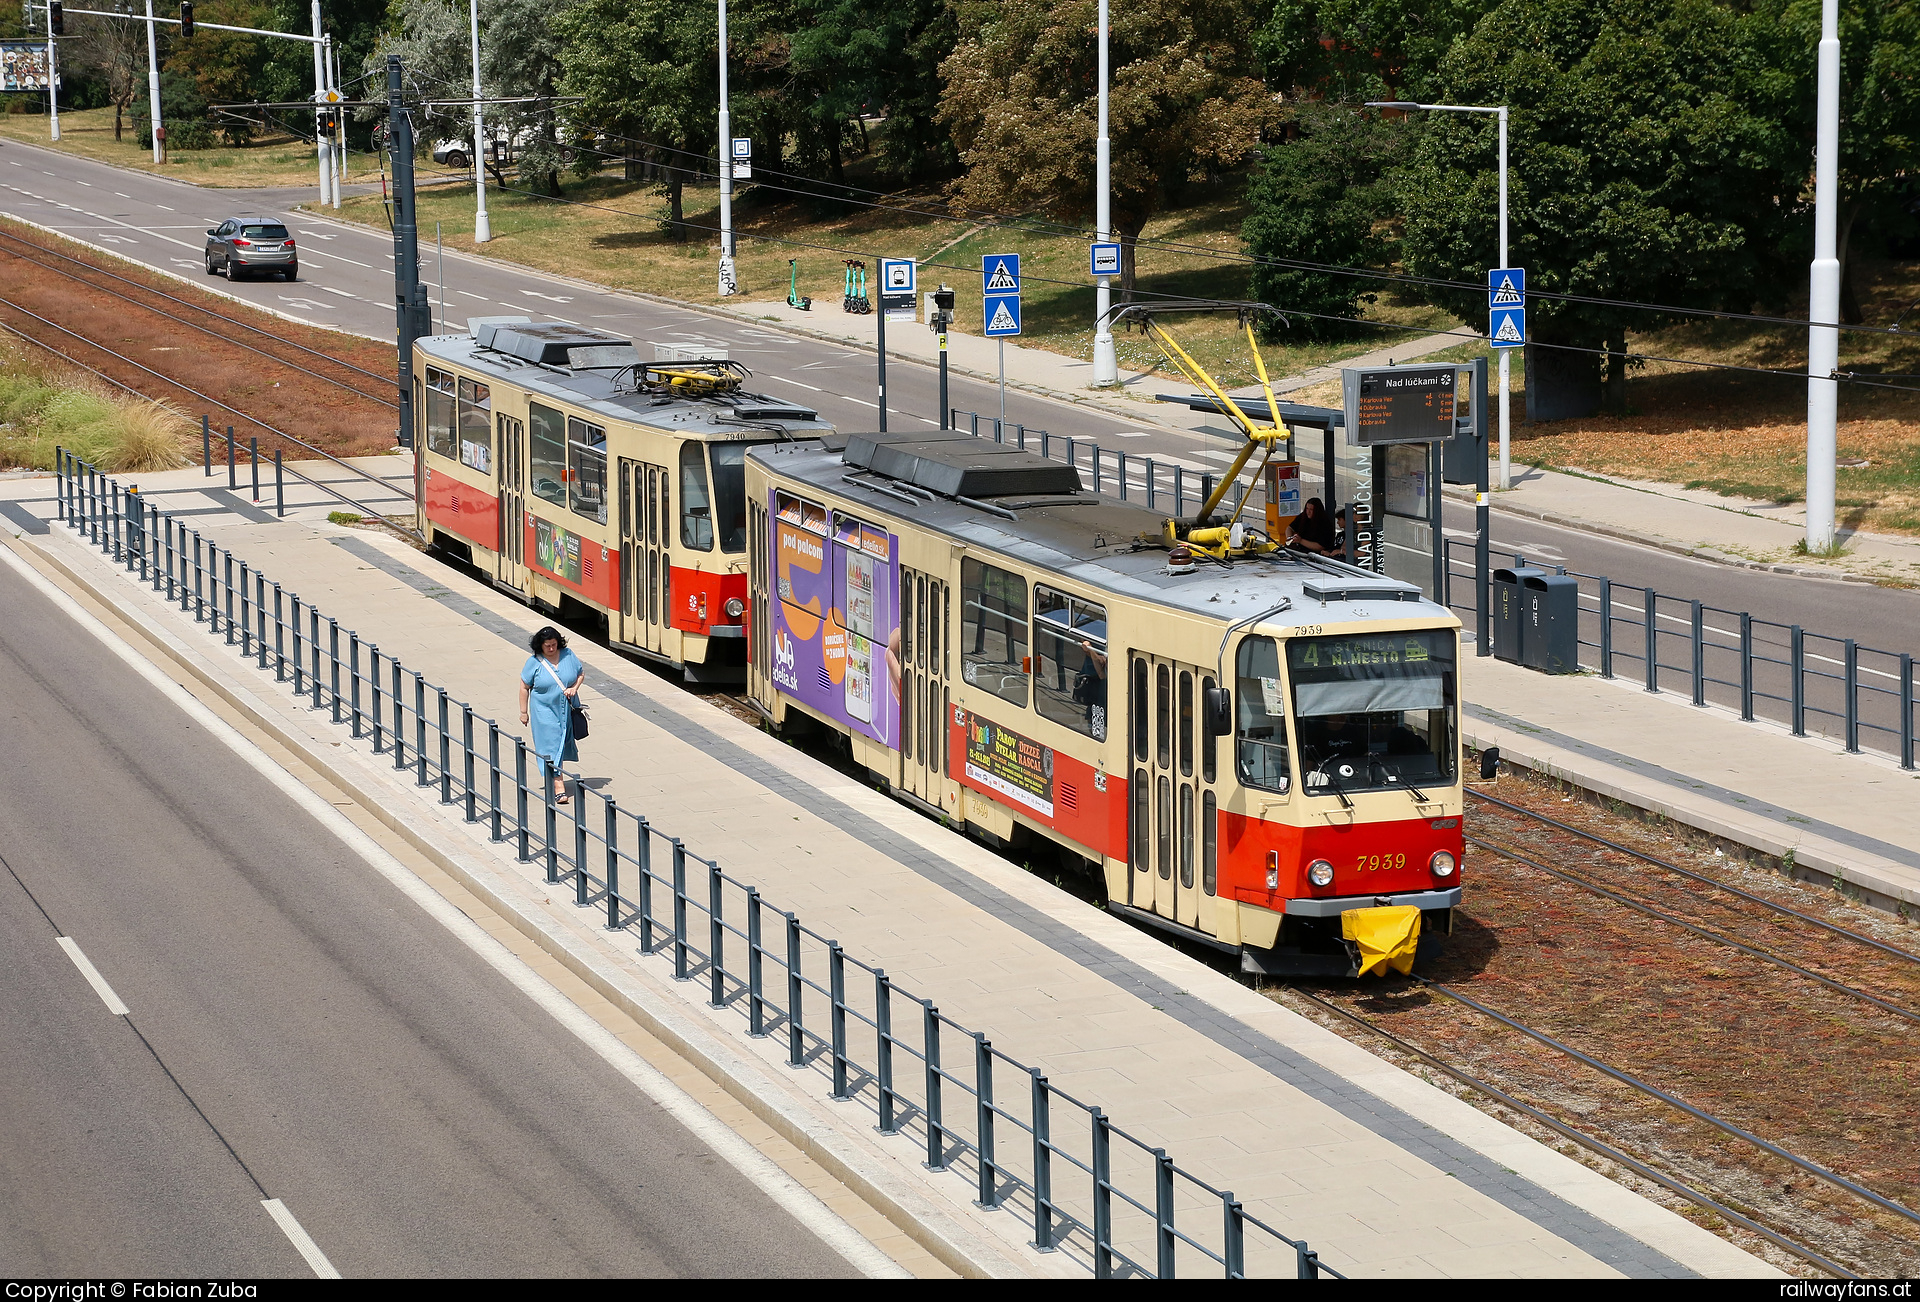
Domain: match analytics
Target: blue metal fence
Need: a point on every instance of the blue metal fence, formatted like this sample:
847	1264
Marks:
1859	696
1116	1203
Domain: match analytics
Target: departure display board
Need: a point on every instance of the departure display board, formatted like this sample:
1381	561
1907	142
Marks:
1399	404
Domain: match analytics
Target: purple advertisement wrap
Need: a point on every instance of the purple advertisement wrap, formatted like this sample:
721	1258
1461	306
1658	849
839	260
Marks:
836	615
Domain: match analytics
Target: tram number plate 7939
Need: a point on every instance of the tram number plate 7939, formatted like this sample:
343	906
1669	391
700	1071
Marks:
1369	863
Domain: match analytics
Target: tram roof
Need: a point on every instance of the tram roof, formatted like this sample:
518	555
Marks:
731	415
1089	538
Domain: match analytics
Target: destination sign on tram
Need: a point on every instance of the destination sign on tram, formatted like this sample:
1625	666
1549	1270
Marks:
1399	404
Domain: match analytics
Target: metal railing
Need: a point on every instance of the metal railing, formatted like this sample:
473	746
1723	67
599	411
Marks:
1113	1201
1811	682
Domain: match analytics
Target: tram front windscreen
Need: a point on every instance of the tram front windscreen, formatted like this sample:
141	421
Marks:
1375	711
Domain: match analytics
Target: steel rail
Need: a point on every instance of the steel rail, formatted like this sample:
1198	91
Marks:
1822	923
1599	1146
204	329
1696	929
204	397
174	298
320	484
1810	1167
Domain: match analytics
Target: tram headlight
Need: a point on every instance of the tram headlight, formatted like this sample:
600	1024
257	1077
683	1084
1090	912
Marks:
1320	873
1441	863
735	608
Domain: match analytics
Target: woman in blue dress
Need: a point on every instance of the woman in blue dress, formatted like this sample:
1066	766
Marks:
549	684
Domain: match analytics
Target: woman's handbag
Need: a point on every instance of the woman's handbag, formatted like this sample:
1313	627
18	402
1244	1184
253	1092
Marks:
576	713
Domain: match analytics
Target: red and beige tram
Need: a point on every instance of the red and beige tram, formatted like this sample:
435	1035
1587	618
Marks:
1259	750
583	479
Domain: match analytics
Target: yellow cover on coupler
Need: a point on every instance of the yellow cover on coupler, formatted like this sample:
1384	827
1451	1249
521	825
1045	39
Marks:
1386	937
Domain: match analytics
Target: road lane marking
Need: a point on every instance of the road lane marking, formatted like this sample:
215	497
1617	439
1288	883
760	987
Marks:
162	205
94	979
727	1144
123	196
469	294
302	1241
341	292
88	184
784	380
337	258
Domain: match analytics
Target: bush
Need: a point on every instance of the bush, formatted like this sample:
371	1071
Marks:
43	410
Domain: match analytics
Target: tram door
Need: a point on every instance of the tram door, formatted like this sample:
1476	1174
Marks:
644	615
1164	850
925	696
513	511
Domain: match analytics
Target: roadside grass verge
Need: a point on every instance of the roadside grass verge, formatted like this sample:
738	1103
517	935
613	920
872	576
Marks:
44	407
270	160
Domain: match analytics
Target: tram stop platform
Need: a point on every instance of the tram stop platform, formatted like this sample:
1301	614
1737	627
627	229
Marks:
1383	1173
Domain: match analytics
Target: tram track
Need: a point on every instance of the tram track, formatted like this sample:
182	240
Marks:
11	245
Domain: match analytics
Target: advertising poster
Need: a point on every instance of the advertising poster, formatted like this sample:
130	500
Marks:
23	65
556	551
1017	767
836	623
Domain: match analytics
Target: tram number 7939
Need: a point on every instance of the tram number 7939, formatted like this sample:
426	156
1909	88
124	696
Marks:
1370	863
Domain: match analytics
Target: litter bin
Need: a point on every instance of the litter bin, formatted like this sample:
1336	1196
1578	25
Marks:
1550	622
1507	615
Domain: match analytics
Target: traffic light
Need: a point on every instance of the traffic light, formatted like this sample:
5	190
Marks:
56	18
186	18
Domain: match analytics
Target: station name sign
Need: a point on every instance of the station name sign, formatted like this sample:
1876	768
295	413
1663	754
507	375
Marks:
1399	404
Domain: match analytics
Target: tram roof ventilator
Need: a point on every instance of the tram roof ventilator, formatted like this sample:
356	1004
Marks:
969	470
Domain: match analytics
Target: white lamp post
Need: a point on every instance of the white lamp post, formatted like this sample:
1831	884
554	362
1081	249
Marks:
323	151
53	80
725	155
1106	365
1823	305
482	227
1500	111
153	83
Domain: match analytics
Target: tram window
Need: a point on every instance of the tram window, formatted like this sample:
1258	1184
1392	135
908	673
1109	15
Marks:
587	469
933	630
696	512
1260	715
1142	825
653	505
730	494
1186	835
1209	843
993	613
1164	801
1207	769
476	426
1162	715
920	624
906	617
1140	710
1186	726
440	413
547	453
1070	661
1374	711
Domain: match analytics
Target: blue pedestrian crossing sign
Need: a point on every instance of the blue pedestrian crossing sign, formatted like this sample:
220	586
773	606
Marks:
1000	273
1001	312
1507	307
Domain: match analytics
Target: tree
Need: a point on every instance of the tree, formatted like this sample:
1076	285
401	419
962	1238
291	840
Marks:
648	69
1021	102
876	56
1879	117
114	52
1649	162
522	54
1317	199
1355	50
223	66
432	38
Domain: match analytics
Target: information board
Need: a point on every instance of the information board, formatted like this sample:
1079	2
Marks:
1399	404
23	65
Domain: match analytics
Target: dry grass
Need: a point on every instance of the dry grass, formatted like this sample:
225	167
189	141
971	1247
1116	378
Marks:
268	161
47	406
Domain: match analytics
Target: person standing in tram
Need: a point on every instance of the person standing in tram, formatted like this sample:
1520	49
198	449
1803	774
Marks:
549	686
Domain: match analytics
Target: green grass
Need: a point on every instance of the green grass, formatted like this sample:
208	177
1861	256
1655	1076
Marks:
41	412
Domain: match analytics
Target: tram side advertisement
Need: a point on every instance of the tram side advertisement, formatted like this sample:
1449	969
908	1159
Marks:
836	624
1002	761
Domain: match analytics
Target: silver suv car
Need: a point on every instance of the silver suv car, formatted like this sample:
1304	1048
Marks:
241	246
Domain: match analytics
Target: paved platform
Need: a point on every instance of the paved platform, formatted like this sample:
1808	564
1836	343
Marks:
1385	1174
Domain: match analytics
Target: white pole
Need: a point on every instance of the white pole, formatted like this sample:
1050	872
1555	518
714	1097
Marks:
1003	380
726	168
53	79
323	155
482	226
153	84
1823	340
1106	366
1506	406
339	125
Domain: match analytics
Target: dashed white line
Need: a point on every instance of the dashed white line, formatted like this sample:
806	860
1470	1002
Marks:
94	979
88	184
123	196
337	258
469	294
341	292
784	380
162	205
302	1241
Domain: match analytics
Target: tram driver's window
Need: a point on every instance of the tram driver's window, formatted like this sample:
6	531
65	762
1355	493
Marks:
1260	718
547	453
441	387
993	630
696	509
1070	661
587	469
